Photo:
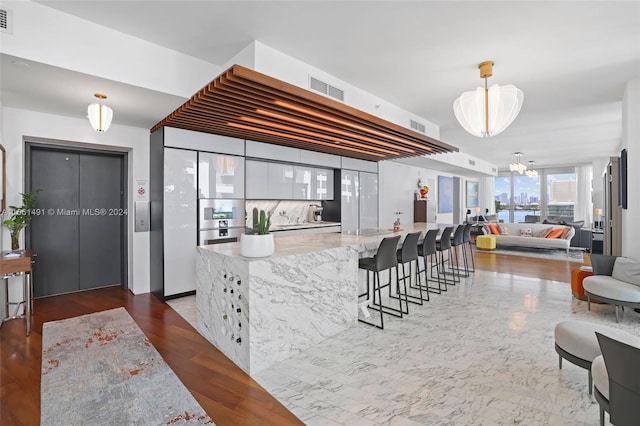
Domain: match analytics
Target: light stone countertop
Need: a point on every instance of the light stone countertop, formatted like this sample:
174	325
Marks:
301	244
304	225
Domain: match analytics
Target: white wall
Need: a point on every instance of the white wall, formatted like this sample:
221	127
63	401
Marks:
46	35
486	195
631	141
18	123
286	68
397	185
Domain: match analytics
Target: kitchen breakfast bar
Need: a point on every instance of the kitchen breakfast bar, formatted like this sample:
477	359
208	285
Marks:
258	311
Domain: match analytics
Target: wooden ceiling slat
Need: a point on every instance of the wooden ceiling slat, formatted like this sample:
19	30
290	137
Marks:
246	104
327	104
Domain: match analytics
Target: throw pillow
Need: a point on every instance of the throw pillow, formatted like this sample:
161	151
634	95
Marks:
555	233
627	270
565	232
526	232
503	229
494	229
545	232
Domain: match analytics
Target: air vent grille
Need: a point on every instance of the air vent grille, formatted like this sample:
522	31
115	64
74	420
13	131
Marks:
494	170
472	162
4	20
418	127
326	89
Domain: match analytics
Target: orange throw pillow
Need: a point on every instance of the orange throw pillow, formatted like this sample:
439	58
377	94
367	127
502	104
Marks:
556	233
494	229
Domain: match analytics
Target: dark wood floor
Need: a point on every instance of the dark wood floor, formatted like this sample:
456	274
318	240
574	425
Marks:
228	395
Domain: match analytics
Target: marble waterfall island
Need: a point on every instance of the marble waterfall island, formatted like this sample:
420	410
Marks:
258	311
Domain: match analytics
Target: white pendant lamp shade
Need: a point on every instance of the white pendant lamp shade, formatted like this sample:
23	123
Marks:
487	112
100	115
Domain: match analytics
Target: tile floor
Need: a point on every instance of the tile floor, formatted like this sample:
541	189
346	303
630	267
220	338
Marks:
480	354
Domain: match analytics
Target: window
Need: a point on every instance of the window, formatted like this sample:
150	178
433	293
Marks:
520	198
561	195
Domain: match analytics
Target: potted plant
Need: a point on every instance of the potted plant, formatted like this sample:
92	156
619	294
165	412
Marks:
258	242
20	217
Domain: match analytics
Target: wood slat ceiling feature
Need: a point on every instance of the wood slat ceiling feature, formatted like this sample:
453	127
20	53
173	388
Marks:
246	104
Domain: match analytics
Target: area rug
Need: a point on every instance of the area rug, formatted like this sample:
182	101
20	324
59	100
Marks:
100	369
557	254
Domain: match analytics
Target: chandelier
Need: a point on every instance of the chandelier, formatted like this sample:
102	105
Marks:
487	112
517	166
529	172
100	115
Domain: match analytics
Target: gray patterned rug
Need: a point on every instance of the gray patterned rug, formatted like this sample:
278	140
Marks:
100	369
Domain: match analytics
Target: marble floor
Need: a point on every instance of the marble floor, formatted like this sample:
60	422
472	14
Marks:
480	354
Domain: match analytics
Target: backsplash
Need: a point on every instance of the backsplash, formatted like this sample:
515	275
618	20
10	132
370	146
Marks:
284	212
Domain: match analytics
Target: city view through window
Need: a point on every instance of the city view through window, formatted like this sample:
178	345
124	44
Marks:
530	199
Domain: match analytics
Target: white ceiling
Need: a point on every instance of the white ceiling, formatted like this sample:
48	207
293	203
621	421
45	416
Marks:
571	59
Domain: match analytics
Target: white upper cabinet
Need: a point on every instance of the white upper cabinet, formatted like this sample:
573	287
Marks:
220	176
302	184
322	184
284	181
269	181
257	180
280	181
198	141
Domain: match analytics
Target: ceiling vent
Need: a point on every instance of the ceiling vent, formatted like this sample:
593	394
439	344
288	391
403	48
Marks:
326	89
6	21
472	162
418	127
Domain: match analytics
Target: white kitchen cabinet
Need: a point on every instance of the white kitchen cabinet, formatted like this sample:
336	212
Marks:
368	214
312	183
322	184
350	200
280	181
285	181
180	208
359	200
257	180
302	189
198	141
269	181
220	176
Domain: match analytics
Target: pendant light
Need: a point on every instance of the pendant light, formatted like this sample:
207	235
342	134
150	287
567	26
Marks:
517	166
99	115
530	172
487	112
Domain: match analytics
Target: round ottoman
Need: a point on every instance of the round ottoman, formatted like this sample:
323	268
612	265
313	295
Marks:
577	343
577	275
486	242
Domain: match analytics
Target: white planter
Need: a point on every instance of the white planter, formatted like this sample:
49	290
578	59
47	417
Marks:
256	245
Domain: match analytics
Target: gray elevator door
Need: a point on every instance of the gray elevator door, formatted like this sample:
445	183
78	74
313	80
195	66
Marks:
79	239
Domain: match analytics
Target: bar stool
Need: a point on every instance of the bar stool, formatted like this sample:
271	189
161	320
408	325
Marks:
408	254
428	250
442	245
466	239
457	240
384	259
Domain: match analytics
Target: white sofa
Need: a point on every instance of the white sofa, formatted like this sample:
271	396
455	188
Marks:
514	238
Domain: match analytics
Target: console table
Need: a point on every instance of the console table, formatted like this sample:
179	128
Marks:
11	266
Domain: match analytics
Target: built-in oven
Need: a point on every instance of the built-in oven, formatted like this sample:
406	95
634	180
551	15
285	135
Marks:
220	220
217	236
